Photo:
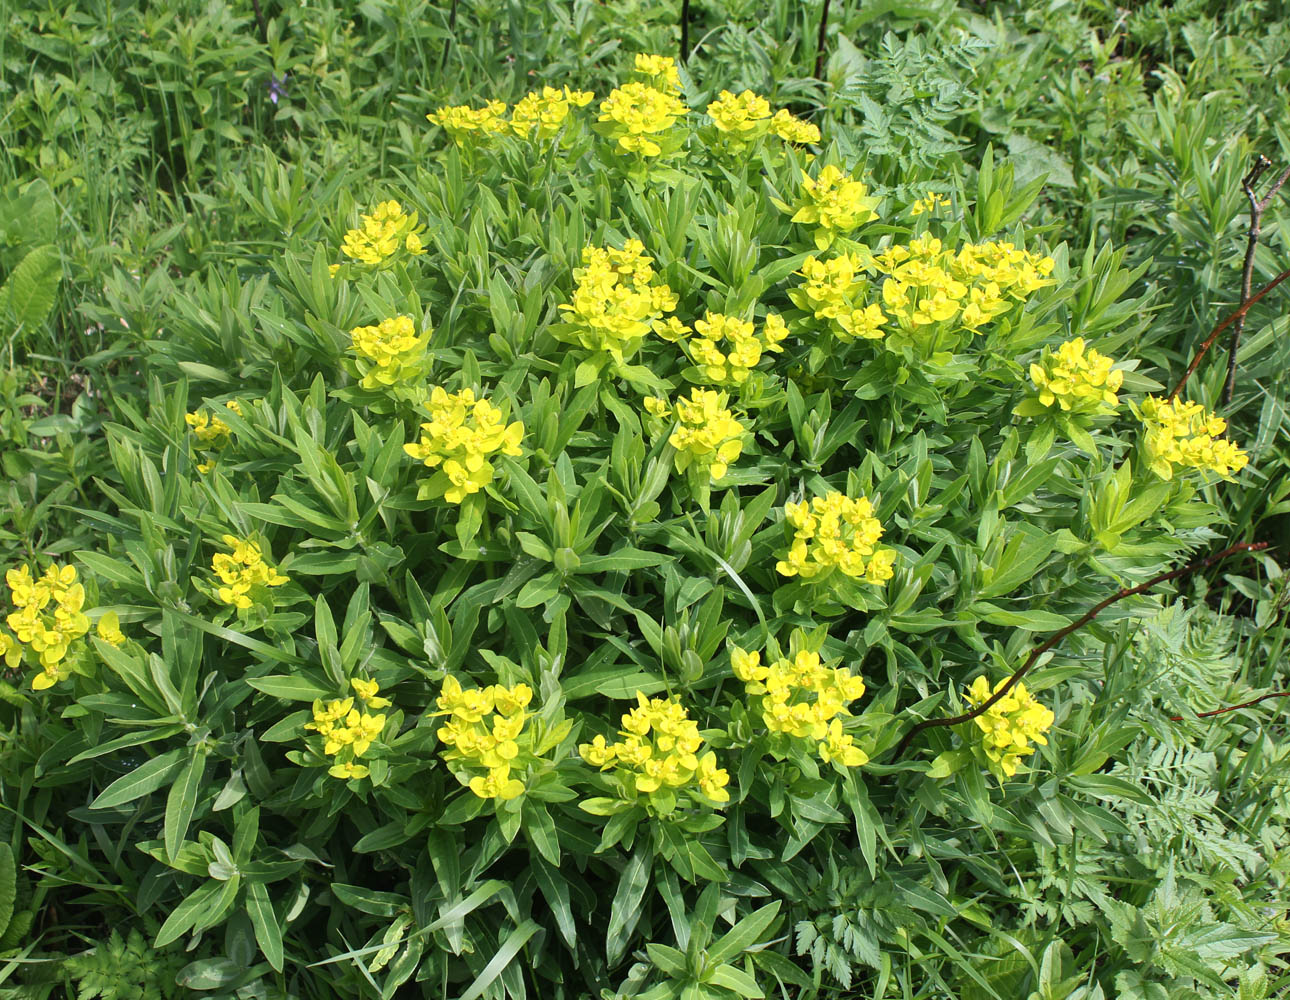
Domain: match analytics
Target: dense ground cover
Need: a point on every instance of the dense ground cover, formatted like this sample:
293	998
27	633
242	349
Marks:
365	687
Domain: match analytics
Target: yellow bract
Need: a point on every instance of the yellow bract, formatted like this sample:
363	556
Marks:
835	204
383	234
1011	724
727	348
390	353
929	204
485	729
615	301
792	129
707	435
462	434
803	699
835	532
1077	379
1186	436
745	116
636	114
465	123
49	617
241	571
658	70
348	732
661	749
542	113
211	432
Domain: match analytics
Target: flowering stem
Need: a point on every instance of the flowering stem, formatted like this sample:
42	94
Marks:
1213	336
1257	208
819	42
1061	634
1233	708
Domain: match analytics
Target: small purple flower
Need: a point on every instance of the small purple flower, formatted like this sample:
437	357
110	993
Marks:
277	87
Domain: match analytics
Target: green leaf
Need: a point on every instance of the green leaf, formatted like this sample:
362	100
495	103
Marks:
502	958
730	978
292	688
263	919
625	911
744	934
182	800
147	777
28	293
8	885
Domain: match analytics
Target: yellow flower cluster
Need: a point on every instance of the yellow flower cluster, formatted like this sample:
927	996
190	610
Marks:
615	301
740	119
544	112
637	116
1011	724
792	129
211	432
1183	435
348	732
486	730
389	353
47	619
383	234
835	204
707	435
461	436
658	71
835	532
661	750
1079	380
928	283
726	348
832	291
929	204
242	572
465	123
804	700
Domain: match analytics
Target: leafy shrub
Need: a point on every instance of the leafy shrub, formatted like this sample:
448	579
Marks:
444	556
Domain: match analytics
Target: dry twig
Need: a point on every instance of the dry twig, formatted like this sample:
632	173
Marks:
1257	207
1061	634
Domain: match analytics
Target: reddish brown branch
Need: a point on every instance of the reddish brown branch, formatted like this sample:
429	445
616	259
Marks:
1213	336
685	31
1233	708
1061	634
1257	207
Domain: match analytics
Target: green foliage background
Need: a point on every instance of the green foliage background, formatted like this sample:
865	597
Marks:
164	231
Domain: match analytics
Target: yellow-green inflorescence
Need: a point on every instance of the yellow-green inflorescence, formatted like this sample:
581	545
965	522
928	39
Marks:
706	436
463	433
725	349
835	532
616	302
803	700
486	730
49	621
834	204
349	728
926	287
659	756
242	573
211	433
386	232
1183	435
1010	725
1075	379
389	354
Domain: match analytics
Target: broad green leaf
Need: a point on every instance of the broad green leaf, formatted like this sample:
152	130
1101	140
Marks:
147	777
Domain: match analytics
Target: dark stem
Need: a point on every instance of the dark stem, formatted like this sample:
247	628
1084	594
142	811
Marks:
452	27
1257	207
1234	708
685	31
1213	336
819	42
259	19
1061	634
